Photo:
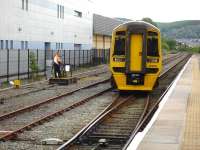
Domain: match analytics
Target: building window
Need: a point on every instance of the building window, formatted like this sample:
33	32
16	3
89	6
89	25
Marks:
77	13
22	4
2	44
57	46
61	46
60	11
22	45
77	46
11	44
63	12
26	44
6	44
26	5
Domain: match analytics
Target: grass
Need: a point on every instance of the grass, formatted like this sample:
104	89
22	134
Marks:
190	49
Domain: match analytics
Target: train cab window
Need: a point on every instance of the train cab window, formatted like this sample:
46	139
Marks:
119	48
152	47
123	33
150	33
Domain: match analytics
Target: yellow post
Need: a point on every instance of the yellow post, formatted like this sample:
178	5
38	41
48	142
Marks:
17	84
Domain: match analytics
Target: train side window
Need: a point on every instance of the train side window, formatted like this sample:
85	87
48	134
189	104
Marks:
152	47
119	48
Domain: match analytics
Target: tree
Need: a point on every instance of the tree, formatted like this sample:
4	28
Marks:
33	65
171	43
165	46
168	44
149	20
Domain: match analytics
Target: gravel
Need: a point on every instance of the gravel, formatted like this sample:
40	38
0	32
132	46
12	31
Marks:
29	116
41	85
39	96
62	127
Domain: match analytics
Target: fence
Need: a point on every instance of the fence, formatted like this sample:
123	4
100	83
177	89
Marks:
23	63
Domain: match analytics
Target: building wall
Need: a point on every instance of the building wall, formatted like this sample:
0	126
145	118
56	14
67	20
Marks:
101	41
21	28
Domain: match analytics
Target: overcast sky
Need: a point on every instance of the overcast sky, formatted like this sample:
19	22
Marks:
158	10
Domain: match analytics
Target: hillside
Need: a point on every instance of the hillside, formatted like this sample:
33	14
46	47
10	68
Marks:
181	29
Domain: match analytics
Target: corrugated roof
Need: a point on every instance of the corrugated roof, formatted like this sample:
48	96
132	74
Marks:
104	25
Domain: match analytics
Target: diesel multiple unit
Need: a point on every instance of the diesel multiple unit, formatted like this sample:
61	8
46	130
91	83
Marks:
135	56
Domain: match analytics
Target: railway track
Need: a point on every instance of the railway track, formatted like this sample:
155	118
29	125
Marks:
19	102
117	126
42	90
172	58
28	125
30	116
44	85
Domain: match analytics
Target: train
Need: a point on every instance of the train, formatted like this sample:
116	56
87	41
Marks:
135	56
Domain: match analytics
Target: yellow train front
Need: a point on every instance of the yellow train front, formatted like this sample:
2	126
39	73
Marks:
135	56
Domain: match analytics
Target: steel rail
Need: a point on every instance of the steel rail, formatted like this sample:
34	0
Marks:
168	59
50	116
43	81
34	106
79	136
173	66
115	105
144	112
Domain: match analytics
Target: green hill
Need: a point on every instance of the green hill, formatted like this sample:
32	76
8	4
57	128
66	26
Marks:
181	29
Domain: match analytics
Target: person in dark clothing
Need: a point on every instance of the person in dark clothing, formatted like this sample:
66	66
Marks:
56	63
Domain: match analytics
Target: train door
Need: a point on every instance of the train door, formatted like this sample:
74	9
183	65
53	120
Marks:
136	58
136	41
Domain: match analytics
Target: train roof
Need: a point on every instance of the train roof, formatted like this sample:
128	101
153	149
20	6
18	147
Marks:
137	24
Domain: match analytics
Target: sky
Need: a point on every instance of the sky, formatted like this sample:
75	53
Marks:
158	10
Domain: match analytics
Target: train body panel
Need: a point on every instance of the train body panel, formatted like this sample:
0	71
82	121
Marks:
121	83
135	56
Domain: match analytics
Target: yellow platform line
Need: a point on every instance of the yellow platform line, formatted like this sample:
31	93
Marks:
191	137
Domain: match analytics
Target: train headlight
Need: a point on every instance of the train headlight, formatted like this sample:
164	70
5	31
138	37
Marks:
152	60
119	59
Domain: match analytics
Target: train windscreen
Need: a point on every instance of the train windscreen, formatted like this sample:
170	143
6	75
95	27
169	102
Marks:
119	48
152	47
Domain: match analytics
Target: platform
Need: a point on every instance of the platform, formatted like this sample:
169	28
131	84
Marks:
177	123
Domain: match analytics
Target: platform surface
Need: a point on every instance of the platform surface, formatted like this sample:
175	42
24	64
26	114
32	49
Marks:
177	126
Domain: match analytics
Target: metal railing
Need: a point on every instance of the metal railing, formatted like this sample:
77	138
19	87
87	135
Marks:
18	64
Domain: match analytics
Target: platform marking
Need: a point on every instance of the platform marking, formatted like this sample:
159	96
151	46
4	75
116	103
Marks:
191	133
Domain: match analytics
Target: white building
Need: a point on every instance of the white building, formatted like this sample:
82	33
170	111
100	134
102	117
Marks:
45	24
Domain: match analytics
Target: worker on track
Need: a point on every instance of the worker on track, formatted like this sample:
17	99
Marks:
57	61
